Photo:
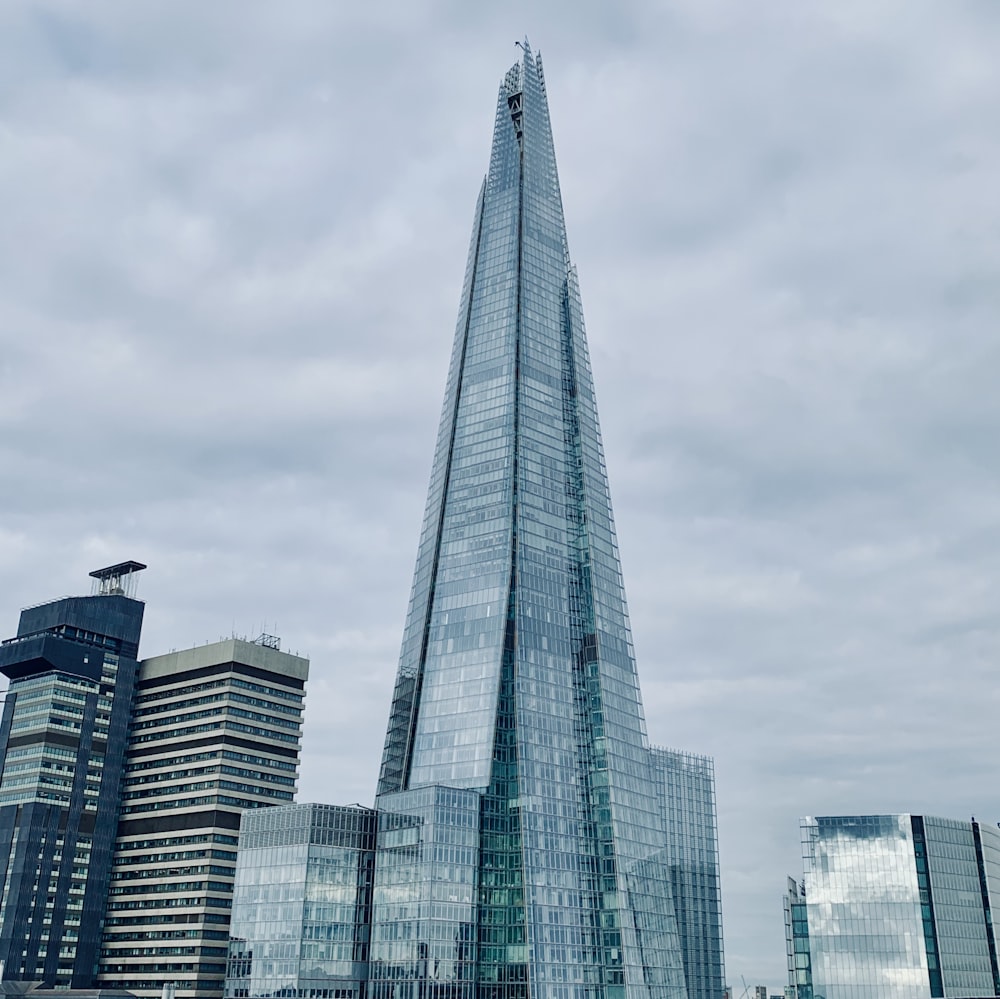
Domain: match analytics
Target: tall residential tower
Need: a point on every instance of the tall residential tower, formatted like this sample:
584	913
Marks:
215	731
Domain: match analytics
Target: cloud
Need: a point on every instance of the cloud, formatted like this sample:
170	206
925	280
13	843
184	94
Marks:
233	243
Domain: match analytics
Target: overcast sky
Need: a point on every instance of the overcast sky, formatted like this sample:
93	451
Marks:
232	242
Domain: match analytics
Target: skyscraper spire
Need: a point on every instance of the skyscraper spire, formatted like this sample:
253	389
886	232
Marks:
517	701
514	340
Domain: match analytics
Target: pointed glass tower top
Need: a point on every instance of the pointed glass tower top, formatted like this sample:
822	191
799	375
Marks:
518	533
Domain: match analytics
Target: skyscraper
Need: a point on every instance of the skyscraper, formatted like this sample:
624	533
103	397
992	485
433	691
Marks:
215	731
528	843
517	791
72	669
894	907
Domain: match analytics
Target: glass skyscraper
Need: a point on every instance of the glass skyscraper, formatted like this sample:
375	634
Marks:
526	841
894	907
523	842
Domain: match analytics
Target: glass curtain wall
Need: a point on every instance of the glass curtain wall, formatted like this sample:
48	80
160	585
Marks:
302	903
424	903
896	906
866	932
517	678
687	794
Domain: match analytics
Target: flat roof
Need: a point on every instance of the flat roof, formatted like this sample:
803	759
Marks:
229	650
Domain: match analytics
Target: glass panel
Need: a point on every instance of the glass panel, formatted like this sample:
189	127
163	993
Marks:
866	935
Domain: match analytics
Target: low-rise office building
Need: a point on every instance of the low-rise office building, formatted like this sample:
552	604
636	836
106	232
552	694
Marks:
302	903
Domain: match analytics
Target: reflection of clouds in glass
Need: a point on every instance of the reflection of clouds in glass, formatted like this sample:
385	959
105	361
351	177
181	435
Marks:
865	861
863	901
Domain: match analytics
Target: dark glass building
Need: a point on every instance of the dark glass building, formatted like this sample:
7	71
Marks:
523	842
72	670
894	907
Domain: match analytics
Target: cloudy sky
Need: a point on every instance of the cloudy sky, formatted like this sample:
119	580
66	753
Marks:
232	242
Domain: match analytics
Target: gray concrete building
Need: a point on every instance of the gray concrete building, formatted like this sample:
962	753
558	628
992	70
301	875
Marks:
215	730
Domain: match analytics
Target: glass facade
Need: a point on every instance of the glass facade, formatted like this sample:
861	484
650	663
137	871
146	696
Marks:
301	903
687	794
952	883
987	840
72	669
517	684
894	906
424	904
797	942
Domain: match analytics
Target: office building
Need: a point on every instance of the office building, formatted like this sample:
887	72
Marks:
686	785
894	907
302	903
797	942
516	769
72	669
215	730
